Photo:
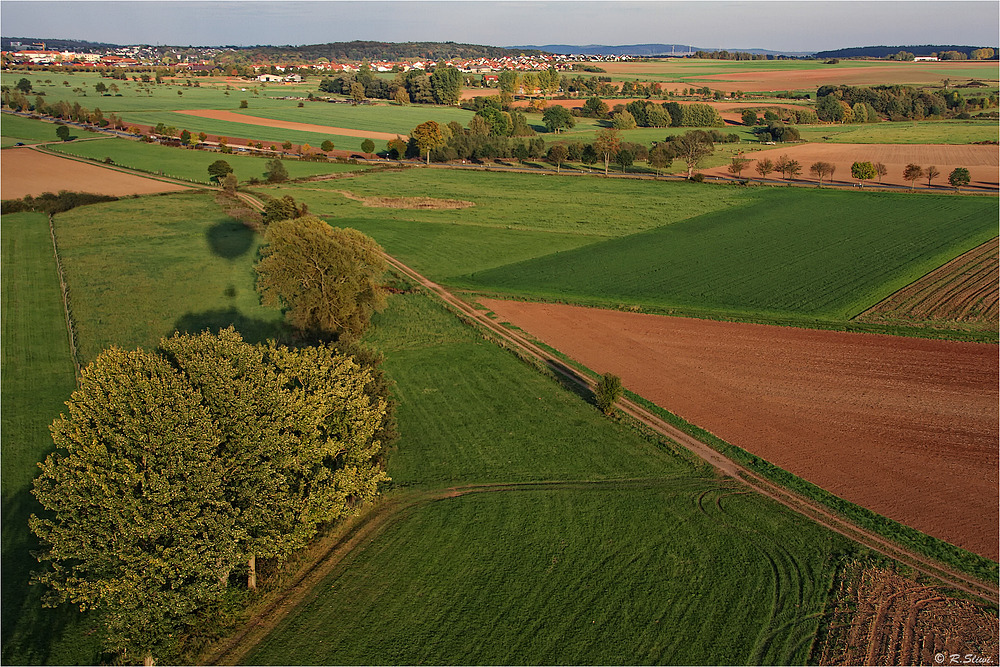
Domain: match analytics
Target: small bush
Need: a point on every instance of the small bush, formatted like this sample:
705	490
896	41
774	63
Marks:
608	390
698	178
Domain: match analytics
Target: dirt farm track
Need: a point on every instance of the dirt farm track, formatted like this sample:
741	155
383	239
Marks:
28	172
903	426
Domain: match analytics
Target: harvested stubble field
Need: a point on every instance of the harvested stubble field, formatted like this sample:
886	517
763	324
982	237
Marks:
905	427
982	162
30	172
963	292
882	618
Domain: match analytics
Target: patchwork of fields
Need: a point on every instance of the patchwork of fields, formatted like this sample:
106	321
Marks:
533	529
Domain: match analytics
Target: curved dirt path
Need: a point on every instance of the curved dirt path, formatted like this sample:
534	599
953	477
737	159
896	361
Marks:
232	117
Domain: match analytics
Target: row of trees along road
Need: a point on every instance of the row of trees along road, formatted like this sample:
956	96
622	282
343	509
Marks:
176	470
863	171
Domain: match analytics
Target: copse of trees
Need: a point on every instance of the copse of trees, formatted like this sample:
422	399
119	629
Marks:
863	104
176	469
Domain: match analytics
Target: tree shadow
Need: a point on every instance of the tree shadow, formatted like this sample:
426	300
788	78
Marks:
229	239
253	330
33	634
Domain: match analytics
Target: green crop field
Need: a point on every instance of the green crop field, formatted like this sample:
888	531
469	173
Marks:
17	129
792	253
178	262
379	117
38	377
190	165
680	572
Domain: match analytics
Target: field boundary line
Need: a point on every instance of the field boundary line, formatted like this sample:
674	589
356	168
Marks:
791	499
64	289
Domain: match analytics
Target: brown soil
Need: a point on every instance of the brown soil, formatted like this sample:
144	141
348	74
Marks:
304	127
963	292
906	427
408	202
983	162
30	172
882	618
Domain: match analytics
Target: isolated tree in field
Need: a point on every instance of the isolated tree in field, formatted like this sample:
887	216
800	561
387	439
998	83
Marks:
607	392
959	177
931	173
764	167
881	170
367	146
280	208
660	158
275	172
557	155
326	146
912	172
749	117
218	169
428	136
62	132
326	279
692	147
737	165
607	145
136	523
558	118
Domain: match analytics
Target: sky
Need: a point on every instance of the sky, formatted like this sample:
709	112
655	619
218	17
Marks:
803	25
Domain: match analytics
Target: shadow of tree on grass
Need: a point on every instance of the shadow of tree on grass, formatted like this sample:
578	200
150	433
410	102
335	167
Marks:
229	239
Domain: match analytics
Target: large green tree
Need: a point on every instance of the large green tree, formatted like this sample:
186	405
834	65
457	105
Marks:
326	279
959	177
557	118
692	147
428	136
136	521
863	171
446	84
607	144
245	397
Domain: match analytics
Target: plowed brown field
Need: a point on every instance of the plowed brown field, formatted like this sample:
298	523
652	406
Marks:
983	162
30	172
903	426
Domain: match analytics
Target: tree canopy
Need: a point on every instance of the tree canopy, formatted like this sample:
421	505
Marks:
428	136
173	467
326	279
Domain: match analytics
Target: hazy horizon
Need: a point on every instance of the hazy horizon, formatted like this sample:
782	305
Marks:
730	24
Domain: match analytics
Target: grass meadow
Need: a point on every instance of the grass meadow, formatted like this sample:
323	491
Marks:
17	129
190	165
139	269
922	132
38	377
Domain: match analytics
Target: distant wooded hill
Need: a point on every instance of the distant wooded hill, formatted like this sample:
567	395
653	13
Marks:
389	51
885	51
644	50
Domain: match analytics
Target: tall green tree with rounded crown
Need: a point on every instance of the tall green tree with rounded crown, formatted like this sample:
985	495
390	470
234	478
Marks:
136	522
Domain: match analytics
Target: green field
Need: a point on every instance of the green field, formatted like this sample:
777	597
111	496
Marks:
179	262
684	571
791	254
15	129
190	165
380	117
38	377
